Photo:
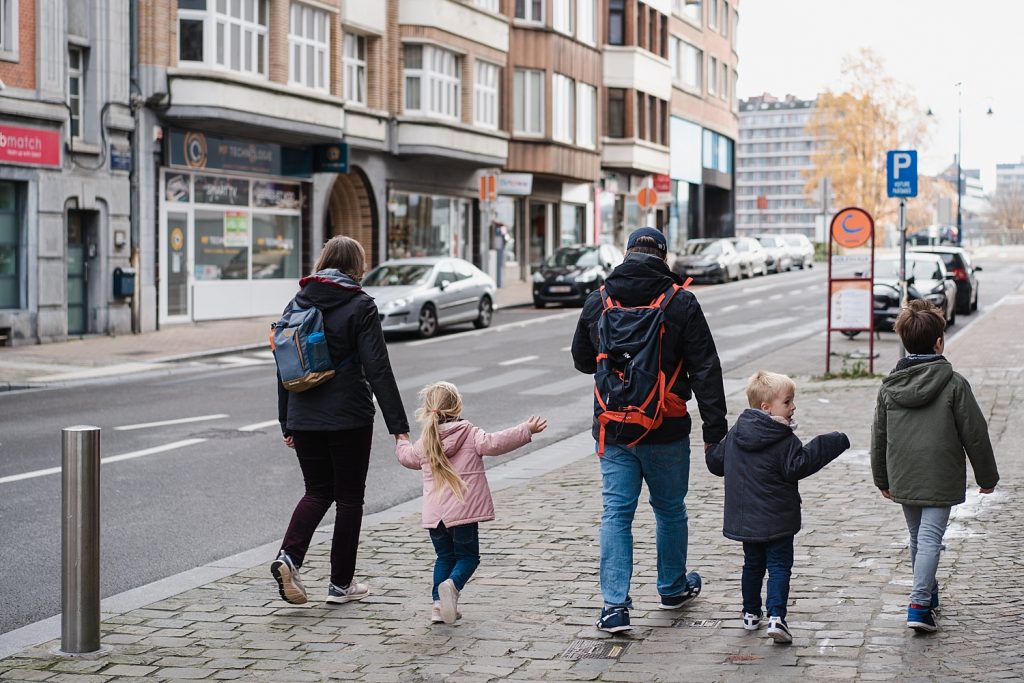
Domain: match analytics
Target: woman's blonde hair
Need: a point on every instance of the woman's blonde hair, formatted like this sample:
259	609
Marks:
763	386
344	254
440	402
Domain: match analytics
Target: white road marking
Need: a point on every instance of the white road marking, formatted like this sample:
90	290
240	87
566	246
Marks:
775	297
164	423
103	461
502	380
517	361
808	330
575	383
496	328
755	326
241	361
754	302
726	309
439	375
258	426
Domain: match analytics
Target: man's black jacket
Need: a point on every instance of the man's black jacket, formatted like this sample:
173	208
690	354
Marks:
636	282
360	358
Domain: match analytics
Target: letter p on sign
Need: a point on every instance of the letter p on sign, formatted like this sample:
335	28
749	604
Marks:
901	173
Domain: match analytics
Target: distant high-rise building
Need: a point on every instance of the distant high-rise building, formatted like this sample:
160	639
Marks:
1010	177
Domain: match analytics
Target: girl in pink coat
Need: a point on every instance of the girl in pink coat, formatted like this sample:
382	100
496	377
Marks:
456	497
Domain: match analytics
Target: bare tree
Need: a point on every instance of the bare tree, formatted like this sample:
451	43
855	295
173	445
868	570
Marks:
1006	209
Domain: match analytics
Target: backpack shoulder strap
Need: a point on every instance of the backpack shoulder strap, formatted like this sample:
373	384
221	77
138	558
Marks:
607	301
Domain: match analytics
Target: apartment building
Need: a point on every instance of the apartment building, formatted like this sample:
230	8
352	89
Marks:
65	231
772	162
1010	178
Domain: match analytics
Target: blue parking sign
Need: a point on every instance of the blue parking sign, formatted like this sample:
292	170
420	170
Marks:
901	172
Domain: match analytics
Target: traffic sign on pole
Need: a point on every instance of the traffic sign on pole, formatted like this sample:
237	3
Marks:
901	173
646	197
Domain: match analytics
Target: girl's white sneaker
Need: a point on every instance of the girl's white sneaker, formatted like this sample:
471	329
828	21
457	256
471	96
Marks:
449	595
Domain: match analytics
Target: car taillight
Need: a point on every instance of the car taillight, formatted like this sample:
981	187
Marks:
960	273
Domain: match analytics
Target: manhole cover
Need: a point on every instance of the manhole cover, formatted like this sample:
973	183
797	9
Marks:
699	623
595	649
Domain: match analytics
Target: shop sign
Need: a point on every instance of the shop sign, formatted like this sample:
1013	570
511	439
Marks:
31	146
215	189
516	184
193	149
267	194
236	229
662	183
332	158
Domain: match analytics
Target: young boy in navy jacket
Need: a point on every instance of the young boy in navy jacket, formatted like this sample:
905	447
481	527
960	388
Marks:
762	460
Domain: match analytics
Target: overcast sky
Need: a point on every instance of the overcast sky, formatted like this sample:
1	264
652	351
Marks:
795	46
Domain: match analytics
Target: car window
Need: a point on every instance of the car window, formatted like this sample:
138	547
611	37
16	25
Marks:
712	249
444	272
583	257
769	241
741	245
463	270
395	275
695	247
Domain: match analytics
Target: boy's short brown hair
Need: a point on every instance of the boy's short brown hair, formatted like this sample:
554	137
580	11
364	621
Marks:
920	325
763	386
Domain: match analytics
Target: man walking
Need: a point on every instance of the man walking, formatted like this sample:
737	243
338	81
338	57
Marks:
659	455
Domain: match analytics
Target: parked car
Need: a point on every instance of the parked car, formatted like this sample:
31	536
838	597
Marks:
958	262
927	274
753	258
934	235
777	252
800	249
424	294
708	260
571	273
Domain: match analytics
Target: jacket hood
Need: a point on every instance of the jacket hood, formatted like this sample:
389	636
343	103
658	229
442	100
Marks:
454	434
327	289
639	279
918	385
756	430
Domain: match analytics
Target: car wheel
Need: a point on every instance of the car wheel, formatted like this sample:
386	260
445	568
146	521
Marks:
974	305
951	320
486	312
849	334
537	303
427	321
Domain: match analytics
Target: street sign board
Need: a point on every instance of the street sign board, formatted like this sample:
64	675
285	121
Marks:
646	197
488	188
852	227
901	172
852	305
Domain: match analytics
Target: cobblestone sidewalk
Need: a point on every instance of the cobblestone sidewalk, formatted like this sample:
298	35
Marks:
536	591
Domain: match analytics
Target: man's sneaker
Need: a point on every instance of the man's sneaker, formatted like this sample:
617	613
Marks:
339	596
435	614
778	631
289	585
920	618
449	595
751	622
693	585
614	619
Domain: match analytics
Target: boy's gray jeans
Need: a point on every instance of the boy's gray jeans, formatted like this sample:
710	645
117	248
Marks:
927	526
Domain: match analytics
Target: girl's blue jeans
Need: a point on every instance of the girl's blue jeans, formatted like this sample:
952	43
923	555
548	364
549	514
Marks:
458	554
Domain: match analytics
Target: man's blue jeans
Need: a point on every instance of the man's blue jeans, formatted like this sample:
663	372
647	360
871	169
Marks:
666	469
458	554
775	557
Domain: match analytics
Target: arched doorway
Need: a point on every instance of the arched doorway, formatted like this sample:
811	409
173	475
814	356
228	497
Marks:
352	212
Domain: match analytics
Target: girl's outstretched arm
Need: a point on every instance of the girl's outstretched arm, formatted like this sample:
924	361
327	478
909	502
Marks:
505	441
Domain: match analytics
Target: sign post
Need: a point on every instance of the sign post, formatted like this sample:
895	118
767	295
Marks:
901	182
488	195
851	299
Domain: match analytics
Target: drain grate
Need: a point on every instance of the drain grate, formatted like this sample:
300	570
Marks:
595	649
698	623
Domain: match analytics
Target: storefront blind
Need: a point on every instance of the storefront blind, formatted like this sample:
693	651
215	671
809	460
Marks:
10	232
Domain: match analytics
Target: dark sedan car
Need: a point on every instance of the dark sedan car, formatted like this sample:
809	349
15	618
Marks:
958	262
571	273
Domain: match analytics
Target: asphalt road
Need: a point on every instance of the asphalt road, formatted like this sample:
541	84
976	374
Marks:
220	481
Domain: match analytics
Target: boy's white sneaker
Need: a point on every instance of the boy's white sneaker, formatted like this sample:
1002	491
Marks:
339	596
751	622
778	631
449	595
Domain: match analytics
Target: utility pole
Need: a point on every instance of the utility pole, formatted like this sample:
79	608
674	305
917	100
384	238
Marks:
959	162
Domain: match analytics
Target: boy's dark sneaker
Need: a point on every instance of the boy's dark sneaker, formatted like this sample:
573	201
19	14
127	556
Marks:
920	618
693	585
614	619
778	631
289	585
935	600
751	622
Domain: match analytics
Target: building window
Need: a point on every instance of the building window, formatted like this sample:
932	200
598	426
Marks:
308	38
712	76
616	22
10	235
76	88
735	100
562	108
713	14
489	5
735	28
485	95
238	29
586	21
9	30
725	18
562	19
723	90
689	10
528	90
616	112
355	68
586	116
687	64
530	10
429	225
433	84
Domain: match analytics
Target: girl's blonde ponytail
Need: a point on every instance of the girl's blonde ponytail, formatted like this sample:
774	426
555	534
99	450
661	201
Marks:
440	401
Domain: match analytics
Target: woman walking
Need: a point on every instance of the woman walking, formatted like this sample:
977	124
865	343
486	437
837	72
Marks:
331	425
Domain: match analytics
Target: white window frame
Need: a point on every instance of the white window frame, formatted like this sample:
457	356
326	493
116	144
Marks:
679	9
485	94
586	115
218	28
9	30
355	68
528	16
563	107
523	87
309	39
440	82
489	5
562	19
75	113
586	21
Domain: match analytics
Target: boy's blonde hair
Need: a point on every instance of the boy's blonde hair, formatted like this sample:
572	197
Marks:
440	402
763	386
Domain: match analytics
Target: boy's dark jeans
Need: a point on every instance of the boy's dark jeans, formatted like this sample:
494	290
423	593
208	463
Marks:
334	465
458	554
777	558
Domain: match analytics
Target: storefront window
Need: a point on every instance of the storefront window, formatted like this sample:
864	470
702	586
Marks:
606	206
222	245
572	224
427	225
10	232
275	241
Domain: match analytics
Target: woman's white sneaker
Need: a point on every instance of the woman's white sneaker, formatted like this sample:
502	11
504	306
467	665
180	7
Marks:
289	585
354	591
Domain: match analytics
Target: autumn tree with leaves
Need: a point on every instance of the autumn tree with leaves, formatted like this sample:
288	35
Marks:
872	114
1006	209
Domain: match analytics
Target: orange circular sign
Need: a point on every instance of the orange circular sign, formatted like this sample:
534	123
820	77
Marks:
852	227
646	198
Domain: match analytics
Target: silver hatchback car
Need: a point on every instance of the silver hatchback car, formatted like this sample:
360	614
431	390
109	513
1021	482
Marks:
424	294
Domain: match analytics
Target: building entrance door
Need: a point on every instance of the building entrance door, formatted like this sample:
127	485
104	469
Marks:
78	254
540	232
177	264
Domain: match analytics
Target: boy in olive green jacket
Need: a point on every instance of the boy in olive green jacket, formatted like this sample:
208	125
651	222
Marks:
926	419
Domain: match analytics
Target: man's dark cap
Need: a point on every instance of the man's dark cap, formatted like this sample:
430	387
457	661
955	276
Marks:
653	233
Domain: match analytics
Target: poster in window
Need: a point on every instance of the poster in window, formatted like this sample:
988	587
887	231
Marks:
266	194
177	189
236	229
212	189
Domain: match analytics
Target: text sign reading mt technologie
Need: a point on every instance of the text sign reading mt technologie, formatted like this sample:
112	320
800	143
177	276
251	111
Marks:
901	172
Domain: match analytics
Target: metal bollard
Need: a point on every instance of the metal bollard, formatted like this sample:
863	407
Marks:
80	540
